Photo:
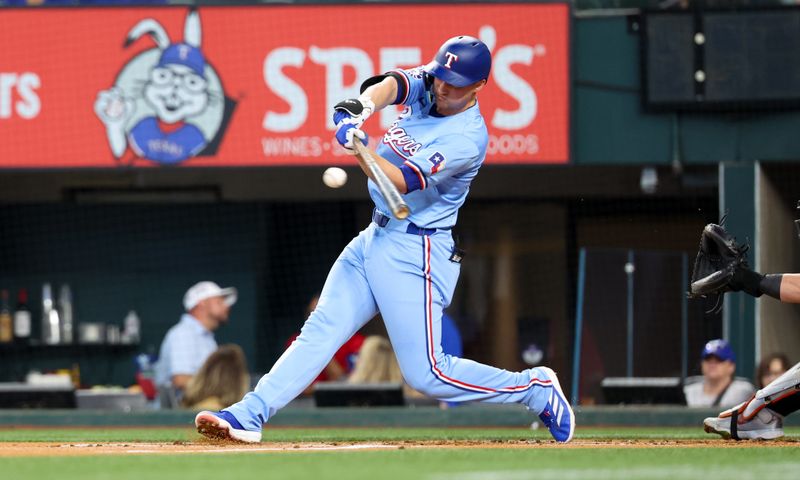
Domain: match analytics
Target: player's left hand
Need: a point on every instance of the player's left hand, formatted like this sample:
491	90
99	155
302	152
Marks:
353	110
345	134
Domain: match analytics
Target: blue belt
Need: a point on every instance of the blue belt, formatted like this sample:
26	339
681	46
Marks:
383	220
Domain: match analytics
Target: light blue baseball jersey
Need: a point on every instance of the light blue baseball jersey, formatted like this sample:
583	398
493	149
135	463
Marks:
185	348
439	156
406	272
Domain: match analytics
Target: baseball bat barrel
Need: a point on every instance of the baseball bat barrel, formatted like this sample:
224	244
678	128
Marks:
390	193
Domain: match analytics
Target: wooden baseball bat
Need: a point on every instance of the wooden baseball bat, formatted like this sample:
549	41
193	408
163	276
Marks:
390	193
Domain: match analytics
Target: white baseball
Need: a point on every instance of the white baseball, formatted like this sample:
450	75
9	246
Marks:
334	177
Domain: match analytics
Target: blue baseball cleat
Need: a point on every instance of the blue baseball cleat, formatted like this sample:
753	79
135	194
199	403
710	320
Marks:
224	426
557	414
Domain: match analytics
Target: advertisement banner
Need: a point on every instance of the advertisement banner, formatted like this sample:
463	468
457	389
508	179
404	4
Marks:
255	85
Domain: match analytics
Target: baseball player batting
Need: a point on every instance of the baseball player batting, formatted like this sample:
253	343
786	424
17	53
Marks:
405	269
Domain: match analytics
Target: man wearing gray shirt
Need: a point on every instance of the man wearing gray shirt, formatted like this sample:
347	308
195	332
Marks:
719	387
188	344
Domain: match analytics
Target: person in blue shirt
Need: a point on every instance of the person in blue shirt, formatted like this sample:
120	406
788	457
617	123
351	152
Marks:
405	269
191	341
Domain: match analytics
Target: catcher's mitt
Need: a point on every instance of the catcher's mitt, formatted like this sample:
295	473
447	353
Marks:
717	263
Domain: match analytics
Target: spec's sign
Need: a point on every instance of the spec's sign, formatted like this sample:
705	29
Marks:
239	86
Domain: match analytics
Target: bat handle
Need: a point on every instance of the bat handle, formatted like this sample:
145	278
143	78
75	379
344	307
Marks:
391	195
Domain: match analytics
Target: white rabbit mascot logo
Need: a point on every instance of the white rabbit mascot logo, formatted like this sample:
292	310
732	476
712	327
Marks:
167	104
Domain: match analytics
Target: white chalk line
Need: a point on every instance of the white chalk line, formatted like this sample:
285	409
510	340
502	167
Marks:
315	448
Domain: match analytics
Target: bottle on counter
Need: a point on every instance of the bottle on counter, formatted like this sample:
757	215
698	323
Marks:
22	318
131	333
51	326
75	375
66	314
6	322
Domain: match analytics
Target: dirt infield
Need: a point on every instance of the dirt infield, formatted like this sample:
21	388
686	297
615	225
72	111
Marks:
37	449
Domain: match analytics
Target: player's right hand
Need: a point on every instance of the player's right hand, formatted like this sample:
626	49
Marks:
345	134
353	110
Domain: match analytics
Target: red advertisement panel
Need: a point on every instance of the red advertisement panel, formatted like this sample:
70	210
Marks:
247	86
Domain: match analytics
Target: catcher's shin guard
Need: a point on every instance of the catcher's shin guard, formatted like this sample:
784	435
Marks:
787	404
782	395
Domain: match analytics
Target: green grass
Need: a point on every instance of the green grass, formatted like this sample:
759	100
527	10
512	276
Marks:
433	464
661	462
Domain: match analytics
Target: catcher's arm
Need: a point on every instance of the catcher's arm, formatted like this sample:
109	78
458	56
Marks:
788	287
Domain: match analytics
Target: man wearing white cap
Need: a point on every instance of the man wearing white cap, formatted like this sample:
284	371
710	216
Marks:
188	344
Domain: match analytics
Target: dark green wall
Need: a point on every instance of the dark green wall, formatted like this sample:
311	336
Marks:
611	126
738	198
118	258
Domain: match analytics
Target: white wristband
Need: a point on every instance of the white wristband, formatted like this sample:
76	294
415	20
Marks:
369	106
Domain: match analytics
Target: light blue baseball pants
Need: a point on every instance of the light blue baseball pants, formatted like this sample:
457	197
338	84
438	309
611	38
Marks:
409	279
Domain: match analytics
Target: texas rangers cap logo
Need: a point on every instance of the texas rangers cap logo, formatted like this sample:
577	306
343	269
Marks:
451	57
183	51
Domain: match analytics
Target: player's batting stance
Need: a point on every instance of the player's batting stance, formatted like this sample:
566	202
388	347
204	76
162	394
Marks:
721	267
405	269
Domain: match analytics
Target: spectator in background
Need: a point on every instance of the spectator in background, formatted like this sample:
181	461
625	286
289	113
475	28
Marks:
343	360
221	381
719	387
191	341
770	368
376	363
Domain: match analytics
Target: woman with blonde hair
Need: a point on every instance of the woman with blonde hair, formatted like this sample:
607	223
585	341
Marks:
221	381
376	363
